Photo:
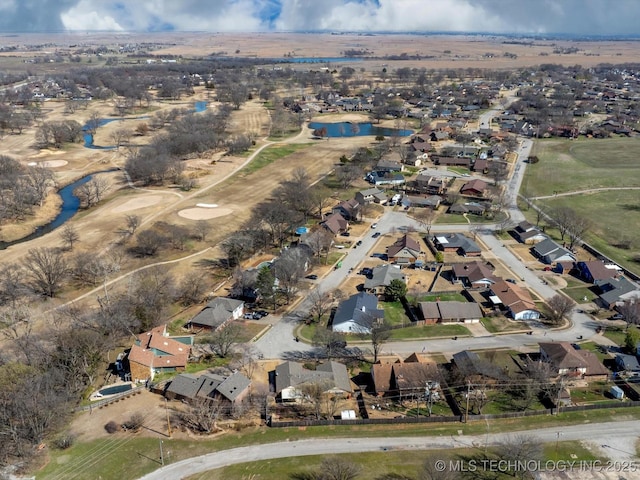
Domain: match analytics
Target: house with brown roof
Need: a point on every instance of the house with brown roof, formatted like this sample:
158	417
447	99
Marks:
429	184
474	188
475	275
405	379
156	352
516	300
567	361
404	251
452	161
349	209
335	223
596	272
451	311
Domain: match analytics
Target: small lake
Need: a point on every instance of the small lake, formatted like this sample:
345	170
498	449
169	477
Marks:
349	129
70	206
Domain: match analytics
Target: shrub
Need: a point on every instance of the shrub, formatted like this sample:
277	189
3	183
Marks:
112	427
135	422
64	441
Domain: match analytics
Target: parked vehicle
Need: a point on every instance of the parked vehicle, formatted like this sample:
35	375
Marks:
376	235
312	277
374	225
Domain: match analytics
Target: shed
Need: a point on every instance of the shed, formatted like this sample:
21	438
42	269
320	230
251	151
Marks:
616	392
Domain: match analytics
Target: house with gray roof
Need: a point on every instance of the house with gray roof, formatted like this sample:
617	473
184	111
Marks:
404	251
371	195
357	314
217	312
548	251
458	243
290	378
381	277
616	291
232	389
528	233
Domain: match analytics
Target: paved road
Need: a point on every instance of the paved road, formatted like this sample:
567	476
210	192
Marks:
618	438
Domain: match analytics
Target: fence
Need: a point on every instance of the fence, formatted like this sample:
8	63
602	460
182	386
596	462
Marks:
106	401
453	419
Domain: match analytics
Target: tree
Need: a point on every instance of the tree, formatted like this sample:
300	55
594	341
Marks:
265	285
133	222
425	216
46	270
289	268
559	306
69	236
148	243
202	415
321	302
395	290
329	342
563	219
577	228
630	311
223	339
202	229
631	339
313	392
335	468
191	288
380	333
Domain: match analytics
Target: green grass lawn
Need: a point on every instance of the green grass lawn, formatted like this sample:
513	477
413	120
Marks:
270	155
617	334
568	166
442	297
580	293
450	218
502	324
429	331
394	313
595	349
127	456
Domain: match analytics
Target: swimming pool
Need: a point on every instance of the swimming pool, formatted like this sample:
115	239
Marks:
115	389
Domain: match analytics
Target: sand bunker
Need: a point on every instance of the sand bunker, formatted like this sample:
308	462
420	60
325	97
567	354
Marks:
136	203
53	163
200	213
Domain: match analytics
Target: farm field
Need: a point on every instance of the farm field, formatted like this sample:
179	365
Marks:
598	179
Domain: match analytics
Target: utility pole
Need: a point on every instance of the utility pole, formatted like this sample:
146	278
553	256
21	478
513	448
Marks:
161	454
466	413
166	407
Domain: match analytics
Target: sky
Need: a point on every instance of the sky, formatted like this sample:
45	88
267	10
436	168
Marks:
573	17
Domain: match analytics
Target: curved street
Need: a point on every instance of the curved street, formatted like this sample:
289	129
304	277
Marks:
616	440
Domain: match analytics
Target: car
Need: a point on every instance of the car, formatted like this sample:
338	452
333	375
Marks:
345	234
576	346
616	316
262	313
374	225
248	316
366	271
376	235
510	280
312	277
358	243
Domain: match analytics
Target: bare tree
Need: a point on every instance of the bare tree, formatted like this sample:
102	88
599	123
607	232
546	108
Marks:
69	236
121	136
425	216
577	228
559	306
630	311
46	270
321	302
202	229
320	197
191	288
133	222
289	268
336	468
202	415
223	339
380	333
563	219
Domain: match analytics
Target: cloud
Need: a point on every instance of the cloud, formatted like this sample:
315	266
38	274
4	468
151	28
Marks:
582	17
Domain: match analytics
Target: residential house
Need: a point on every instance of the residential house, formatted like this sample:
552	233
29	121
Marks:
548	251
429	184
404	251
473	208
448	312
231	389
596	272
475	369
616	291
381	278
370	195
628	364
217	313
335	223
453	161
475	275
385	178
156	352
357	314
349	209
406	379
431	201
389	166
290	378
474	188
515	299
481	165
458	243
567	361
528	233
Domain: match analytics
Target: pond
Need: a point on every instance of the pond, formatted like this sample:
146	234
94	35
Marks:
350	129
70	205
